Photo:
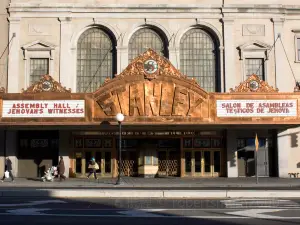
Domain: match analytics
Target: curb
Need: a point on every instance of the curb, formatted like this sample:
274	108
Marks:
162	194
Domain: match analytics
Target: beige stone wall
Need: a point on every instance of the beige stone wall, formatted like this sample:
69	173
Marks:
4	41
44	30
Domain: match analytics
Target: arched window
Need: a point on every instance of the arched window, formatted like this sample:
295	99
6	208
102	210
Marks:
198	58
96	59
144	39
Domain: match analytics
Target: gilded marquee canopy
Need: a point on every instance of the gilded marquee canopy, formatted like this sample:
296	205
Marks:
150	91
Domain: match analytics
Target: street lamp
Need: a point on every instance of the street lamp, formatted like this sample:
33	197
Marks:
120	118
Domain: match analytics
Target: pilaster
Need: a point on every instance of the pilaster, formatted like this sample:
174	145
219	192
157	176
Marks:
232	165
230	80
174	56
13	85
281	64
122	58
283	150
66	63
11	149
64	149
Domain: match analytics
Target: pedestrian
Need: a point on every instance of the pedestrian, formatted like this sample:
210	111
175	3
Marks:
61	169
93	167
8	167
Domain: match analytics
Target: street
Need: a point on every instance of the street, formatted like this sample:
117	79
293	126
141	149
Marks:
149	211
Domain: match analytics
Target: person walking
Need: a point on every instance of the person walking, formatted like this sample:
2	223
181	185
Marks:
8	167
93	166
61	169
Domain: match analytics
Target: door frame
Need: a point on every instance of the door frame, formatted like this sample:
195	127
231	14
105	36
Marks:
212	173
84	173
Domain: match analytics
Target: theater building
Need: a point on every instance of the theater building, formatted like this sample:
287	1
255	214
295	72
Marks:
196	81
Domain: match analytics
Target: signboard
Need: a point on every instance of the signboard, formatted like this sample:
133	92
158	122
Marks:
43	108
257	108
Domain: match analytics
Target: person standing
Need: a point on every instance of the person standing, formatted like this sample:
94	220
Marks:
8	167
93	166
61	169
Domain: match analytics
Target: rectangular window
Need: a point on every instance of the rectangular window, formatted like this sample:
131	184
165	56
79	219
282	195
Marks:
38	68
298	49
255	66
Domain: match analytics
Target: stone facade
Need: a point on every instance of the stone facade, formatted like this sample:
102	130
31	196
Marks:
243	30
3	66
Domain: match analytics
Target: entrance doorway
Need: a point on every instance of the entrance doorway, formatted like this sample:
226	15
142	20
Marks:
246	157
203	163
103	158
129	165
168	162
37	152
204	156
168	154
129	156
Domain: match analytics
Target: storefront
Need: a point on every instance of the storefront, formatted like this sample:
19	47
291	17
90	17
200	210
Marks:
172	127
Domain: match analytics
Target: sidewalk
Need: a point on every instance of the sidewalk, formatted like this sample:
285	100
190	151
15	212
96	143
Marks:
160	183
162	188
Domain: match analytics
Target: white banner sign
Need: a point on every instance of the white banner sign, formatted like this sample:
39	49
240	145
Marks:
256	108
43	108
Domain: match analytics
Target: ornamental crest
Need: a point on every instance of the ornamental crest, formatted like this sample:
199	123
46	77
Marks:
150	65
254	84
46	84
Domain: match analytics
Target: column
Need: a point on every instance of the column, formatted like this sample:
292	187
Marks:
64	149
284	80
174	57
222	76
114	155
232	167
11	149
182	159
2	152
66	69
230	52
283	151
13	85
122	59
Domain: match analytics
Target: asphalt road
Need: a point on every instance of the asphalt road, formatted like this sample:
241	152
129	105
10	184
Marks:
149	211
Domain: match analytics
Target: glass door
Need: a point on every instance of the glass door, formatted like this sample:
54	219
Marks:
98	159
188	163
88	157
216	163
107	163
207	163
78	162
198	163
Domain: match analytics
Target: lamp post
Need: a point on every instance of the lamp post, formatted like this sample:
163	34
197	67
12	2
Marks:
120	118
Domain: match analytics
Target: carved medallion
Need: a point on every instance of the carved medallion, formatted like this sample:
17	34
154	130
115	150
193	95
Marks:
253	85
150	66
47	85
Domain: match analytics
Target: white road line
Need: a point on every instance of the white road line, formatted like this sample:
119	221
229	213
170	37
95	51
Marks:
32	203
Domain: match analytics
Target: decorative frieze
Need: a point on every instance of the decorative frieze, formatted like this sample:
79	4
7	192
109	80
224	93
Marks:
39	29
253	30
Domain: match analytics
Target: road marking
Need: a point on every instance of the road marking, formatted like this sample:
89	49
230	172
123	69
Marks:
245	214
259	203
256	213
33	203
27	211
